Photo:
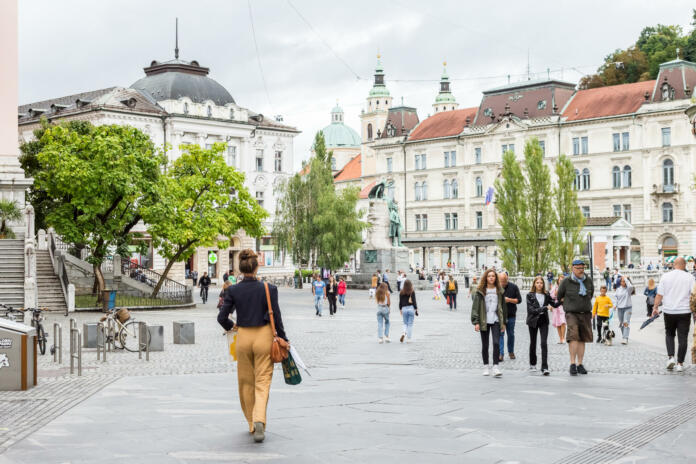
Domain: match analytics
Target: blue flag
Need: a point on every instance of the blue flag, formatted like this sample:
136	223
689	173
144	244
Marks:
489	196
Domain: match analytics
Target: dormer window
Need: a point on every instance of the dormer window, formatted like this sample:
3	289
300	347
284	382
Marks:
488	112
186	108
231	113
541	105
210	111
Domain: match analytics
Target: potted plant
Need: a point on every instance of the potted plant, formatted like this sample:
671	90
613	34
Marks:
9	211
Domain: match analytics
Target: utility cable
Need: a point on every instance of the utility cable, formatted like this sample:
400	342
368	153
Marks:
258	56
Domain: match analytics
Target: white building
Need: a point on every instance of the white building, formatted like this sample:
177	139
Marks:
177	103
633	146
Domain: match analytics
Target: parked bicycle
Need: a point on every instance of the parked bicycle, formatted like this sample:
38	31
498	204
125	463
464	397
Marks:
17	315
122	329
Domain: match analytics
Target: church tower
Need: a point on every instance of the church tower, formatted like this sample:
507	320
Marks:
374	116
445	101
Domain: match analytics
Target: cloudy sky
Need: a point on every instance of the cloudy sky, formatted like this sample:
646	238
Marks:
314	52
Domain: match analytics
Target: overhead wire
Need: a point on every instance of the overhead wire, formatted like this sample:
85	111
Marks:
258	55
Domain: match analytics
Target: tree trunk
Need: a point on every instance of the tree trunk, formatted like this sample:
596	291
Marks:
99	281
171	262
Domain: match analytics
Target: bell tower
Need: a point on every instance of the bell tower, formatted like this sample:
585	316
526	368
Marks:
445	101
374	116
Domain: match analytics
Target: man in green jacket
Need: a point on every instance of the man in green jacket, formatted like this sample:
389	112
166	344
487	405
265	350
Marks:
575	293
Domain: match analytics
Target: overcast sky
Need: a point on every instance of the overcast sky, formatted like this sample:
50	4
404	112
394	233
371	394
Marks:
72	46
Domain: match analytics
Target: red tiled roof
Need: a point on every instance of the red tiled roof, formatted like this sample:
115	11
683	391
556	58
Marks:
444	124
352	170
607	101
366	190
403	118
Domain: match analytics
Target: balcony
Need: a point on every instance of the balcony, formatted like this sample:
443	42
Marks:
665	189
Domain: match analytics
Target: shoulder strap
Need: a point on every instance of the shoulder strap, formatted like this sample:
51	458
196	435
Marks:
270	309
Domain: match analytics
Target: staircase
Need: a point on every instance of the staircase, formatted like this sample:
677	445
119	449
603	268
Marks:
12	272
50	291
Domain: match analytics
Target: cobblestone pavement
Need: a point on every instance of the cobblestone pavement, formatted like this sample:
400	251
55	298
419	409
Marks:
347	364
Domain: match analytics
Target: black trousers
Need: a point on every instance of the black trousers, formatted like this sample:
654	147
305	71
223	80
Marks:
650	309
679	324
600	321
452	300
332	302
388	287
493	331
533	331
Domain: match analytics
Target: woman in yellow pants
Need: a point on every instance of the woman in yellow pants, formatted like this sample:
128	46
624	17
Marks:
254	338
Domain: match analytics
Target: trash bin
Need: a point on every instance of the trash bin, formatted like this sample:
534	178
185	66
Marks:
17	356
108	300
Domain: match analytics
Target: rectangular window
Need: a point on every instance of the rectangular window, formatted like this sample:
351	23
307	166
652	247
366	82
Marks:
418	222
423	165
333	163
584	145
389	165
259	198
542	144
417	162
576	145
627	212
453	158
278	161
479	220
617	141
232	156
259	160
424	222
666	136
586	211
624	140
477	155
509	147
448	225
617	210
447	159
455	221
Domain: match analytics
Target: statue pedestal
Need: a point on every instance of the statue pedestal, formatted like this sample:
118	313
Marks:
394	259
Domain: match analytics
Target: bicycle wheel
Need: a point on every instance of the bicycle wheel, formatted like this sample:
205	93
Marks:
128	337
41	338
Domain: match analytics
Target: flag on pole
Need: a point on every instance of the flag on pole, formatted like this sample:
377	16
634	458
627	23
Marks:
489	196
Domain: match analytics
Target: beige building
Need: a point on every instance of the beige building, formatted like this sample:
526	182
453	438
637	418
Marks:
633	146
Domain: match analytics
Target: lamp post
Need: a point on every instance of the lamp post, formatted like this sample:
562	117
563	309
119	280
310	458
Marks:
589	244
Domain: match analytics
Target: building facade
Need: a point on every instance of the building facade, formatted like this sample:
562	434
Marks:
177	104
633	147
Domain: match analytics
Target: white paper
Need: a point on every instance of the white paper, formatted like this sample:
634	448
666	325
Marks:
298	360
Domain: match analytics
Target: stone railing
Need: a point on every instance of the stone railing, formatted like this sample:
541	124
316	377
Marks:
57	255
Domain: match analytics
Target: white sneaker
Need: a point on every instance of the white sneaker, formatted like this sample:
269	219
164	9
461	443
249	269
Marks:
680	368
624	341
380	340
386	340
486	371
532	368
408	340
496	371
670	363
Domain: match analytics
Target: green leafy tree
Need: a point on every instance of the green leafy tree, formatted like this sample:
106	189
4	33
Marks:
97	180
660	43
313	223
620	67
566	234
539	217
510	203
9	211
202	202
690	46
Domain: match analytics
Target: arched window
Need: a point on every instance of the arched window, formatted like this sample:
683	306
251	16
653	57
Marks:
627	176
417	190
455	188
667	212
576	181
669	247
186	110
231	113
586	179
369	131
446	189
424	190
668	173
210	111
616	177
479	187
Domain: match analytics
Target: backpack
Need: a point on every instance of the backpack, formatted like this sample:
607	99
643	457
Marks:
451	286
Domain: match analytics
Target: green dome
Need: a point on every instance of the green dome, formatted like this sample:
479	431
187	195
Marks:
445	98
338	135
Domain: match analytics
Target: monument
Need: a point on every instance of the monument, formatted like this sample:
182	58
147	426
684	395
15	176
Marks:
383	248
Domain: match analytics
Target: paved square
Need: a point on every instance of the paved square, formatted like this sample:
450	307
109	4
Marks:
419	402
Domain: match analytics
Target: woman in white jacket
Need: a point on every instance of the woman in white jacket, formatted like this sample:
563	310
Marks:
625	307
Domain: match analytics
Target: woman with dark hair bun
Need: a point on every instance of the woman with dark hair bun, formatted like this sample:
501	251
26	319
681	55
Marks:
254	339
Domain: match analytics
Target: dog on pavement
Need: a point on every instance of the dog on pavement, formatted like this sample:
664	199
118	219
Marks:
607	334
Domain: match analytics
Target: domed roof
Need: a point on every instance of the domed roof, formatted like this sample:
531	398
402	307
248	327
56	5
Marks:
337	134
174	79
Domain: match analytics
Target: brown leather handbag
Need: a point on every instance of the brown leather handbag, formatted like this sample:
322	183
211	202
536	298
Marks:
279	347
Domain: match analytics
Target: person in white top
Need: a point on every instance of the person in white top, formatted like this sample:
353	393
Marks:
625	307
673	294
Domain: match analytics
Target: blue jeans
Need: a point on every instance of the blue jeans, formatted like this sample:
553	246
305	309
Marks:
408	314
317	303
625	321
382	321
342	299
510	332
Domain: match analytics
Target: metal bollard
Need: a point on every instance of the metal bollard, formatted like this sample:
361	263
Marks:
75	350
101	346
57	343
142	334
